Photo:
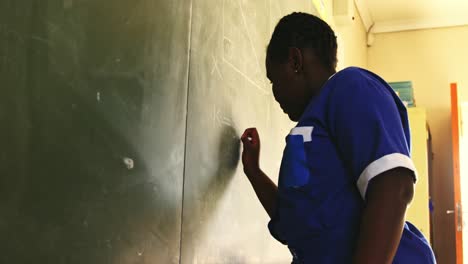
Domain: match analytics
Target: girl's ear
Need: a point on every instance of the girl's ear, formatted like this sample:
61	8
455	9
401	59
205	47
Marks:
295	59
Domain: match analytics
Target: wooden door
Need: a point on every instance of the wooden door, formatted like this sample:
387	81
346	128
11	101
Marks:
457	205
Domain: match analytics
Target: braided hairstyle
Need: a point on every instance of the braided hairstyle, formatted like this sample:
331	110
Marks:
303	30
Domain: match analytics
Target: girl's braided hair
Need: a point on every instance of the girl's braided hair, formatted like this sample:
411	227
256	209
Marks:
303	30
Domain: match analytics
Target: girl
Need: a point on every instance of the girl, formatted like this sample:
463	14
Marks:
346	177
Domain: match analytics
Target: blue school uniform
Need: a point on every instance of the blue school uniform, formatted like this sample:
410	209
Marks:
354	130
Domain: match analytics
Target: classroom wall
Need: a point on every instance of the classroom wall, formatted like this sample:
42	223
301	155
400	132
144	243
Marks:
352	46
351	37
431	59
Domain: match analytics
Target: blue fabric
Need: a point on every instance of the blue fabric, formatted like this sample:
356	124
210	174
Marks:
295	163
356	119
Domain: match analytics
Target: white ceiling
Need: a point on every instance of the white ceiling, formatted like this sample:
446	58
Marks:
400	15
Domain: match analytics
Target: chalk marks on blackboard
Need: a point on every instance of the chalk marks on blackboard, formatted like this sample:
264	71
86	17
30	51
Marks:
246	28
215	67
219	118
129	163
227	48
43	40
6	32
247	78
230	55
227	54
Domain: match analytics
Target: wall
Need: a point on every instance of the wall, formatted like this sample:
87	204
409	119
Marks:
431	59
352	46
418	212
352	37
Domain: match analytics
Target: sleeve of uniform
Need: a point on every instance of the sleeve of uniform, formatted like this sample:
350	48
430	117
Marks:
367	126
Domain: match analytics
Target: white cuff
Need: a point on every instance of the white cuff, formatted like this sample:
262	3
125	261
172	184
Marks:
382	165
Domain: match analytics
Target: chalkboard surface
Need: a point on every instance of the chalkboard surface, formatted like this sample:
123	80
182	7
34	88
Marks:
93	113
120	130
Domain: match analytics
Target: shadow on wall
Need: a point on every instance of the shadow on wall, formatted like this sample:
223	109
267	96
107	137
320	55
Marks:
212	162
227	160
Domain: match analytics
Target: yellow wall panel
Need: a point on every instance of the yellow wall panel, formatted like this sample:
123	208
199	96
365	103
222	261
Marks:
418	212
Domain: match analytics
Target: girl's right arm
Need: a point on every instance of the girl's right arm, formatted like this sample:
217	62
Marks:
264	187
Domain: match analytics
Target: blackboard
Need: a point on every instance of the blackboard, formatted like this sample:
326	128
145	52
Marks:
120	130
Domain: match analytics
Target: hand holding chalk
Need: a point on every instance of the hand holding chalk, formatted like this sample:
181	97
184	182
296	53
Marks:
251	152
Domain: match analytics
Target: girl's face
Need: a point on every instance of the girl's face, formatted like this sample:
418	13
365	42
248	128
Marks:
289	87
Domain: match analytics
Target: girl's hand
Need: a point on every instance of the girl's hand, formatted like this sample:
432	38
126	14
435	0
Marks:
251	152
